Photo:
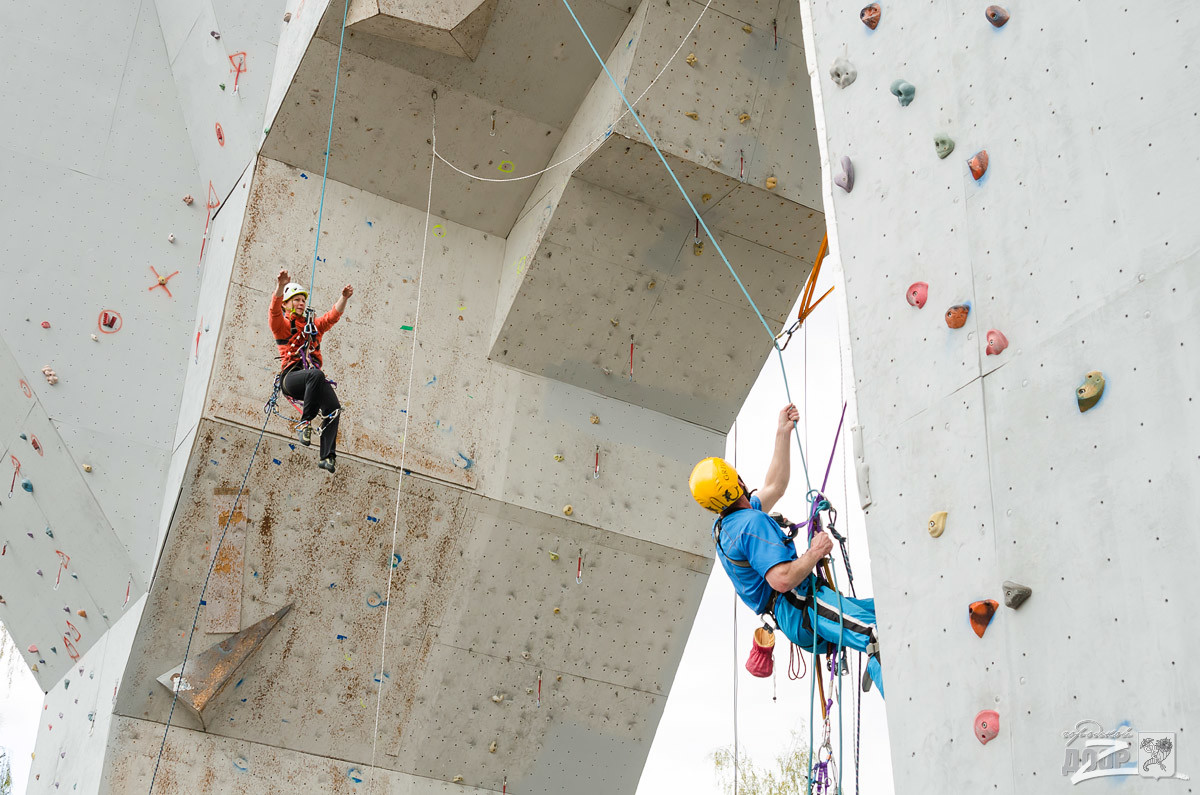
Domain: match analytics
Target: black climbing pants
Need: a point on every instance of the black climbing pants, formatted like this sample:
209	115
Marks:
310	388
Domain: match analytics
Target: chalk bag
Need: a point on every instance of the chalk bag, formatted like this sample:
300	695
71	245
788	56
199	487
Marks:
762	655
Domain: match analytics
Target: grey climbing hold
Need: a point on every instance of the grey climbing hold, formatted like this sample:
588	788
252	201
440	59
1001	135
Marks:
944	145
904	91
845	180
1015	594
997	16
843	72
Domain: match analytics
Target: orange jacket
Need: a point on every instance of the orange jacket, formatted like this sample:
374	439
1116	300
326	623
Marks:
289	333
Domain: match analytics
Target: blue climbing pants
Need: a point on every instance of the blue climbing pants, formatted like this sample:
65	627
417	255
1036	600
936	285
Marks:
851	619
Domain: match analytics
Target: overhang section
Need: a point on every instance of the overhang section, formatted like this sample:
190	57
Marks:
484	598
454	28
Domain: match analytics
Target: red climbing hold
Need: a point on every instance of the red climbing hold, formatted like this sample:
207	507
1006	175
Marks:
997	15
979	164
918	294
45	324
221	136
981	615
870	16
996	343
762	655
987	725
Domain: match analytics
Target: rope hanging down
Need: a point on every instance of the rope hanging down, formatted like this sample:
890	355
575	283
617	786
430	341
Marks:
404	441
598	139
328	142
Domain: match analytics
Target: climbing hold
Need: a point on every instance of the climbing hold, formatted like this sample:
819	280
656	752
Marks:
498	698
1015	594
698	248
747	28
693	115
214	34
492	747
457	780
691	59
979	164
524	655
45	324
997	16
870	16
845	180
956	316
50	533
171	238
95	338
87	467
1090	391
558	458
771	183
287	17
943	144
81	613
220	134
904	91
918	294
981	614
39	573
556	611
33	649
615	322
51	377
745	117
27	484
553	556
937	524
997	342
594	420
568	510
843	72
705	198
222	86
188	199
506	166
987	725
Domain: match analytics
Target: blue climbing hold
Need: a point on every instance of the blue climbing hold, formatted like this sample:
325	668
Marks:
27	484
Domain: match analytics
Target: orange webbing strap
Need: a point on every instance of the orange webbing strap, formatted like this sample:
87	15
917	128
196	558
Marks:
806	307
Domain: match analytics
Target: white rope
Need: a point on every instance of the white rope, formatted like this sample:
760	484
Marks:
403	446
595	141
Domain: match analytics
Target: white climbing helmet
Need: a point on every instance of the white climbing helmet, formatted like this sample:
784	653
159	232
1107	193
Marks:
293	290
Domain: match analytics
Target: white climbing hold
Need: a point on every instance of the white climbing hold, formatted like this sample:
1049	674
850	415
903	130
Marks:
499	697
492	747
95	338
171	238
87	467
51	377
287	17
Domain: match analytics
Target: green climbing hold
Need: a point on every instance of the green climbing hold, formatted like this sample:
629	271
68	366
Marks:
944	145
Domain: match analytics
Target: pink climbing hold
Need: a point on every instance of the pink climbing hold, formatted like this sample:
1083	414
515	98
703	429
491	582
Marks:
997	342
845	180
987	725
32	649
45	324
918	294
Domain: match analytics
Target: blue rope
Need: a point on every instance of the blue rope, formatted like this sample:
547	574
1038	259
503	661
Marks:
703	225
204	589
328	143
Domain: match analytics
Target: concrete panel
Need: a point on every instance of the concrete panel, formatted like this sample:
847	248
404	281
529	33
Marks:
231	765
448	540
457	28
77	716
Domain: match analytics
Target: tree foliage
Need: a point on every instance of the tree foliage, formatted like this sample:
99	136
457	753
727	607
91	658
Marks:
6	783
787	775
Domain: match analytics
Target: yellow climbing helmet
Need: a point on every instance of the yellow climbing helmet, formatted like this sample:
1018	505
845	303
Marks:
715	485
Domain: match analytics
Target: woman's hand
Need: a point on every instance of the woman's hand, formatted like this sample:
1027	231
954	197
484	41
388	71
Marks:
281	281
347	291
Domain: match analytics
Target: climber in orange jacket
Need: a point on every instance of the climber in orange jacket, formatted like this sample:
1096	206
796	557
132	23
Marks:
302	378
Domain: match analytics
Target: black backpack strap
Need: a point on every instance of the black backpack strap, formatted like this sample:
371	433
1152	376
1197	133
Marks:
741	564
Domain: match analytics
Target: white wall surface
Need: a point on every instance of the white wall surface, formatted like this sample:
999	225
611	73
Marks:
1077	245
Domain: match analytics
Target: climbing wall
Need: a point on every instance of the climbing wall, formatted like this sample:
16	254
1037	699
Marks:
547	558
1072	252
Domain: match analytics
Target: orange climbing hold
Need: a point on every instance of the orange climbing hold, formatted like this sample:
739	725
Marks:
981	614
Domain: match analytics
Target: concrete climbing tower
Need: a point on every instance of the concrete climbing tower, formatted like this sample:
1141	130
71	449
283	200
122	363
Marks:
542	359
1059	221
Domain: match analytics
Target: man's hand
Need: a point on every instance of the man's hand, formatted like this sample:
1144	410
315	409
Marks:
787	417
281	281
347	291
821	545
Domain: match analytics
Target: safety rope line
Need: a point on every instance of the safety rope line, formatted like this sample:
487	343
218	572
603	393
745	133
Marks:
204	589
700	220
328	142
600	138
735	642
412	364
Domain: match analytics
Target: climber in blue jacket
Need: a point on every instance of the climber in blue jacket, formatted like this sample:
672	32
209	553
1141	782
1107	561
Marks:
768	574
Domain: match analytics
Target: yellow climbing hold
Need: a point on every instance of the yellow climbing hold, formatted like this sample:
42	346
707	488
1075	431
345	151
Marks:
693	115
558	458
568	510
706	198
691	59
650	286
457	779
698	248
556	611
745	117
771	183
506	166
553	556
594	420
439	230
747	28
492	747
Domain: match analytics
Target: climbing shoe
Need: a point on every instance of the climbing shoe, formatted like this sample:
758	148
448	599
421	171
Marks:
305	434
327	464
